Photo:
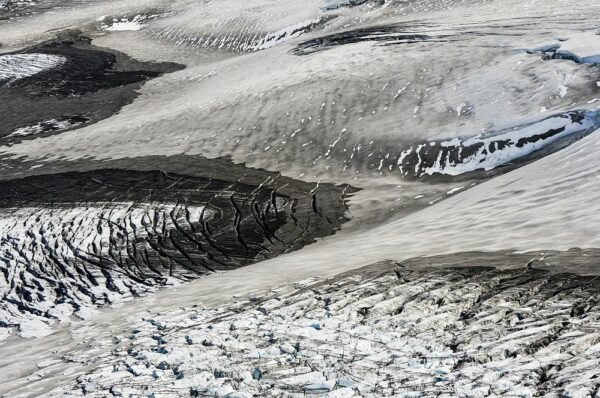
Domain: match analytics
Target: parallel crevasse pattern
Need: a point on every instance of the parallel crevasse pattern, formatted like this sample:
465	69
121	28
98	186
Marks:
72	241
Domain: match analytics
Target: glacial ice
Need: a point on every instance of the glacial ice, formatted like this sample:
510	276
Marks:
46	125
387	330
14	67
348	114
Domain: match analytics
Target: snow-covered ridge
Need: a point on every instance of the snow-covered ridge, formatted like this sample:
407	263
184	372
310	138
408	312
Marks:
18	66
488	151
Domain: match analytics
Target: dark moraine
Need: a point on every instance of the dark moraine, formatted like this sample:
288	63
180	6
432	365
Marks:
385	34
125	227
92	84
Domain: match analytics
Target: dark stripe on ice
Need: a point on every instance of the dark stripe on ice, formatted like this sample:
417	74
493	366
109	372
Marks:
124	227
386	34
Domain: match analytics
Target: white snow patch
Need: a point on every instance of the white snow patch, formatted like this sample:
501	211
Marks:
126	24
34	328
454	190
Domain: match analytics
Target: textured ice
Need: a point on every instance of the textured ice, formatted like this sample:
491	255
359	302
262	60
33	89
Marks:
102	230
488	151
8	4
333	5
18	66
580	47
125	25
391	332
47	125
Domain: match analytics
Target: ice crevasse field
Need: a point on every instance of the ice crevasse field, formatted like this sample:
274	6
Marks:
299	198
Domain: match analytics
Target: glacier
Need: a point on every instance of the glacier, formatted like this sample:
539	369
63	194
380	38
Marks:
281	198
